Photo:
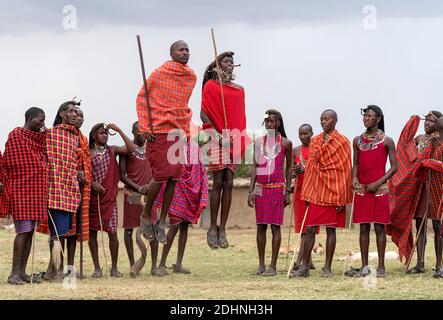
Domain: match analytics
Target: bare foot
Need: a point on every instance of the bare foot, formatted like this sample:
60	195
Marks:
381	273
301	272
270	272
160	272
259	270
180	269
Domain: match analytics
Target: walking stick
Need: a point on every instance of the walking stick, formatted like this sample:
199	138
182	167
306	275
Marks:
298	242
349	230
33	254
81	242
56	254
290	224
425	217
101	229
217	66
145	85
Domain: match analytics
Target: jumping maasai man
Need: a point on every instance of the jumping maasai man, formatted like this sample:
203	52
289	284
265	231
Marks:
270	187
64	192
406	187
190	198
371	205
224	153
136	174
300	154
26	167
327	188
103	209
169	89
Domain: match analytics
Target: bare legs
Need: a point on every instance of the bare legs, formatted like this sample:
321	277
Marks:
223	181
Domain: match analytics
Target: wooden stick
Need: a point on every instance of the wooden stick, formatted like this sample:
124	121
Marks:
290	223
219	77
145	85
298	242
33	255
58	239
349	230
425	217
103	239
81	242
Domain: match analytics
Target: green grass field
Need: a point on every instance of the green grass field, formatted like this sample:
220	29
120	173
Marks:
227	274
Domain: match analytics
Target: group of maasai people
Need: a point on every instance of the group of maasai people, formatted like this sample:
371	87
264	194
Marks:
58	182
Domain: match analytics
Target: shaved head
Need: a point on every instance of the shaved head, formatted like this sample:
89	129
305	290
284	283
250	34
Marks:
331	113
175	45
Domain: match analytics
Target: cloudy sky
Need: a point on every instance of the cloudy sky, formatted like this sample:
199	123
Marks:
300	57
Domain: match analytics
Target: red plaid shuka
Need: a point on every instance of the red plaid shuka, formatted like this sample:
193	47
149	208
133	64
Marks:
405	188
26	167
436	166
191	191
83	164
64	191
169	89
328	176
3	194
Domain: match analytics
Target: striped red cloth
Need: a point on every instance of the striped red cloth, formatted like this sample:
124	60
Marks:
3	194
64	191
26	167
191	191
169	89
328	175
405	188
83	164
436	166
105	171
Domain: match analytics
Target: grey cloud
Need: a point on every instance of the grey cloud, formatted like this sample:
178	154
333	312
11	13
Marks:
25	16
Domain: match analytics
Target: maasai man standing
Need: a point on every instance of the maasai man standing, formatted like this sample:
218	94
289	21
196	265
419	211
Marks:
267	192
3	192
371	205
300	154
327	188
228	139
103	209
64	192
406	188
136	174
169	89
190	198
26	167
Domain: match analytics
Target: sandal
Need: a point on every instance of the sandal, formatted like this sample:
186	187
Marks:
160	233
222	241
180	269
212	239
36	278
364	272
352	272
116	274
16	280
415	270
326	273
147	229
160	271
381	273
259	271
270	272
97	274
301	272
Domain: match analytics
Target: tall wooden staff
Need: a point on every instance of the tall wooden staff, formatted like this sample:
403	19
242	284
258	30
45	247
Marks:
428	186
291	266
145	85
217	66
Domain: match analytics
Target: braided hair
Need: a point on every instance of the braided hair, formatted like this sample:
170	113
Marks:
379	113
211	72
278	116
64	106
93	132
